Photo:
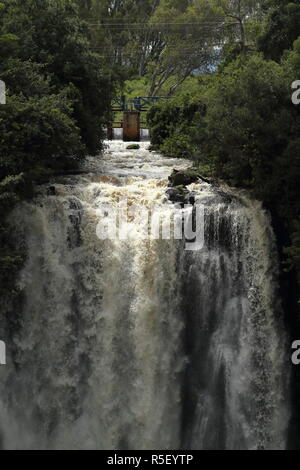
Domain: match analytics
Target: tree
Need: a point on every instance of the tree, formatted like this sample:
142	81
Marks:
119	32
162	40
173	124
281	28
242	17
50	32
190	34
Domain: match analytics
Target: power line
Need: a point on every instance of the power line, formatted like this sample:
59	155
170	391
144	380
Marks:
165	27
133	30
187	53
158	23
150	25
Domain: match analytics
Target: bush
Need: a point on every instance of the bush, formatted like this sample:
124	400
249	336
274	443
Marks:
173	125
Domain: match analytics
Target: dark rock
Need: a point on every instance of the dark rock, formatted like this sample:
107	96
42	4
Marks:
191	199
175	195
51	191
181	195
133	147
183	177
186	177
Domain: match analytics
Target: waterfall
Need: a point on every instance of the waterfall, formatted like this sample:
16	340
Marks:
139	343
236	380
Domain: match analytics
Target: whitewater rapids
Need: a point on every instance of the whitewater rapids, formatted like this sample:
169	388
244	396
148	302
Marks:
140	344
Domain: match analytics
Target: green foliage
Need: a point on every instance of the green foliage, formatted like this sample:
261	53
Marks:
173	125
58	99
37	133
50	33
166	42
136	87
247	147
243	127
161	40
239	138
281	28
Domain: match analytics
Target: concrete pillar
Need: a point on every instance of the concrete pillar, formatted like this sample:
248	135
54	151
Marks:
131	126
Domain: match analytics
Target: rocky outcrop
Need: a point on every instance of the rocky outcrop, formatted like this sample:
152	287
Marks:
186	177
181	195
178	180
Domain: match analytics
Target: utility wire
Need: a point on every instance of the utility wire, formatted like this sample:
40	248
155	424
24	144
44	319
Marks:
149	25
160	23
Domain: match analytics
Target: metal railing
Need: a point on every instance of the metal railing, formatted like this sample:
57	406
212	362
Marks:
140	103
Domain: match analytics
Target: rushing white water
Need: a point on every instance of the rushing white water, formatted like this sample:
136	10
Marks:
139	344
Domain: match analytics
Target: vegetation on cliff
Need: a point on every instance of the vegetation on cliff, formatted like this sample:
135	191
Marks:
57	100
241	125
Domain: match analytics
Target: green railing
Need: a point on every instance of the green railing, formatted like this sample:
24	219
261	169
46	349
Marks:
140	103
